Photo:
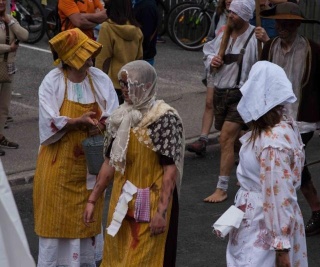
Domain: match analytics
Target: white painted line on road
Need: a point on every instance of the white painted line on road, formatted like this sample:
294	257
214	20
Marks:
24	105
35	48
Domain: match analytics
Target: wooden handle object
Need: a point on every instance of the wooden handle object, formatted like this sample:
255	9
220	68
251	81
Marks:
224	43
258	24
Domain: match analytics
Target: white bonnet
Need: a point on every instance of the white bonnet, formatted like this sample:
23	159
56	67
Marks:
266	87
243	8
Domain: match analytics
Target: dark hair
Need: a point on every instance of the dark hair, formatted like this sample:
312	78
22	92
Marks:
56	56
265	122
221	7
120	12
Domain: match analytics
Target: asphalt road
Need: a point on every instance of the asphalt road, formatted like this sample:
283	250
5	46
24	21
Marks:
179	75
197	246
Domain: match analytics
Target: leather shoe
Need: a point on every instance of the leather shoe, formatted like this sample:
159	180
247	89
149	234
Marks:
198	147
313	225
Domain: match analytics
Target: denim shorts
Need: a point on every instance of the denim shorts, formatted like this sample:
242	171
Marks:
225	103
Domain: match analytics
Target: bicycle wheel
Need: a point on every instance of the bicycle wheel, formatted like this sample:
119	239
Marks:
163	11
31	17
172	15
53	24
190	27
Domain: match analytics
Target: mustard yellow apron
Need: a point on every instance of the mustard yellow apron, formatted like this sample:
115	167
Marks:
59	193
132	246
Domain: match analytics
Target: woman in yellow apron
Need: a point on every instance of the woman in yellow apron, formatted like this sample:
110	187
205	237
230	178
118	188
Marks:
74	102
145	157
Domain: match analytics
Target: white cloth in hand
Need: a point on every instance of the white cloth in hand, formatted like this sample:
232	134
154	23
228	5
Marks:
228	220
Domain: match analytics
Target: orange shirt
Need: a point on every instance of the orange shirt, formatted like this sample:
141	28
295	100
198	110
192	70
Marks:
69	7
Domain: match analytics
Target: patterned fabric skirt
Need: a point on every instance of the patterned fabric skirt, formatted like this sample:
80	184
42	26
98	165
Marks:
61	252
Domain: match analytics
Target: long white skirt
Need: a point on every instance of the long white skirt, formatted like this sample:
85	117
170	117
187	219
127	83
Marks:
66	252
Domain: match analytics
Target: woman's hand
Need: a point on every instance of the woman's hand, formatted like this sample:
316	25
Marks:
88	214
158	223
282	259
104	177
86	119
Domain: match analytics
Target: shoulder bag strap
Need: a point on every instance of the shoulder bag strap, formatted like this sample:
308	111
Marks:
240	61
5	57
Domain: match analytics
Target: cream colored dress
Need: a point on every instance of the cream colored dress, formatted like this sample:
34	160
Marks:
270	174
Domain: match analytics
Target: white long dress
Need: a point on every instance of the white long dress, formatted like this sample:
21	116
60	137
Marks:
269	173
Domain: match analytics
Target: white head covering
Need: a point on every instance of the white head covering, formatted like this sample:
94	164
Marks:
141	79
266	87
243	8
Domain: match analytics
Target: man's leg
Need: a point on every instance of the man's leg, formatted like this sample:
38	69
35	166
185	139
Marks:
229	133
199	146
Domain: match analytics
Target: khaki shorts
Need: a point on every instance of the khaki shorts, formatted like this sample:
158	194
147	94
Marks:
225	103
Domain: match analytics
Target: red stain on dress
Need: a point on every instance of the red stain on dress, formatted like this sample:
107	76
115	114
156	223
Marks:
53	127
77	151
135	227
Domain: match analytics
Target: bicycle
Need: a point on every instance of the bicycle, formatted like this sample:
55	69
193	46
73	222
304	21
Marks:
53	22
173	13
191	25
30	15
165	13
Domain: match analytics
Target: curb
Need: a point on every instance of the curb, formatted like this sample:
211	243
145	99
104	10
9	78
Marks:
21	178
26	177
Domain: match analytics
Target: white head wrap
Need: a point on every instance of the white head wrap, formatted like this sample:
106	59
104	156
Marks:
141	79
243	8
266	87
